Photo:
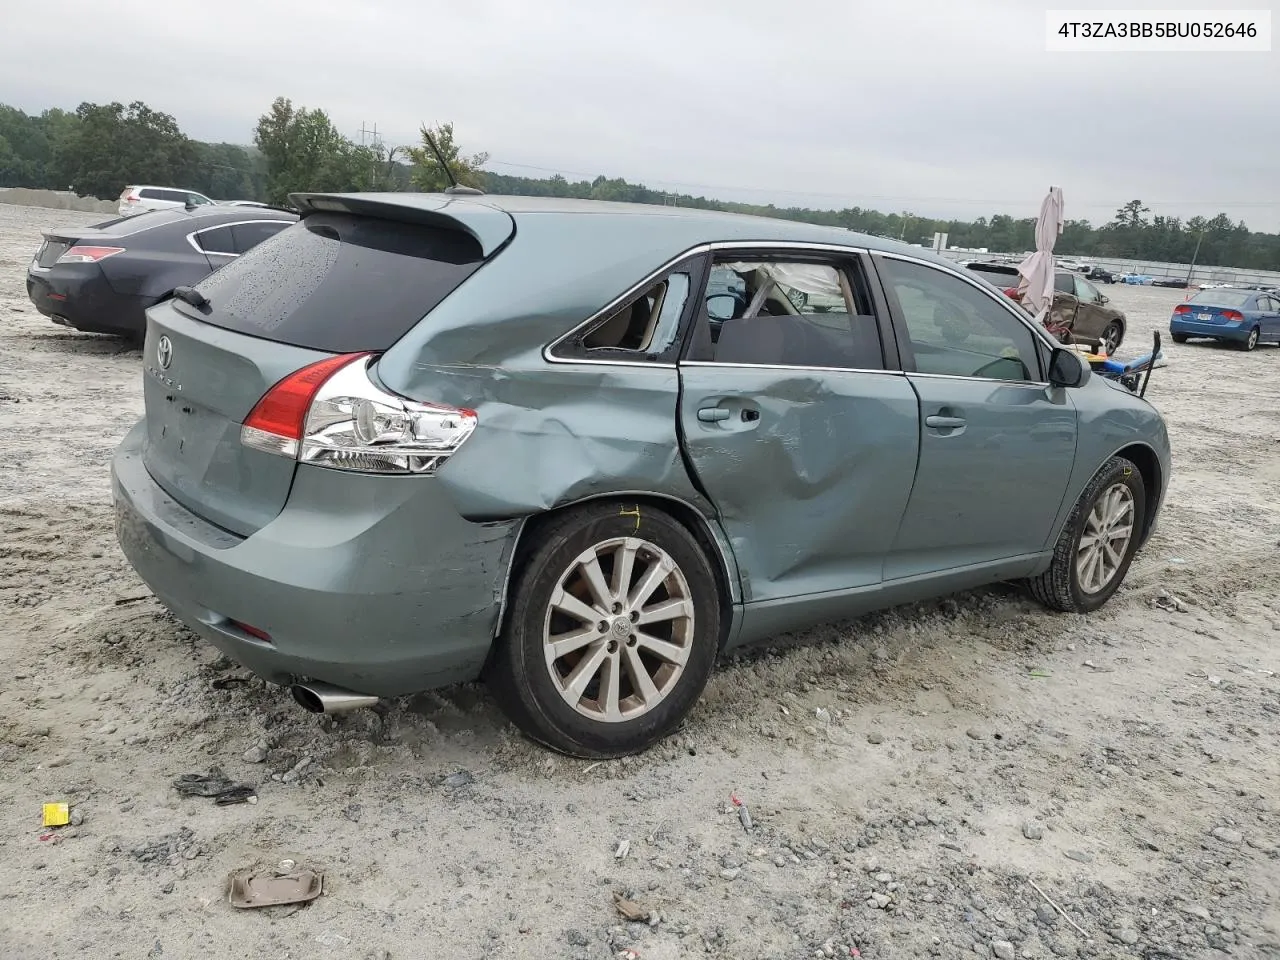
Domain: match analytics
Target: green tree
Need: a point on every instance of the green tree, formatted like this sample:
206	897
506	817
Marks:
229	171
427	174
305	152
113	145
1132	214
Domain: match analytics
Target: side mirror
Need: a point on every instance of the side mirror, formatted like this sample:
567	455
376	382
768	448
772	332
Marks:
1103	298
1066	369
721	306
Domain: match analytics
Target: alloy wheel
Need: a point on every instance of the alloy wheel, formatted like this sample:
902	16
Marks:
618	629
1105	539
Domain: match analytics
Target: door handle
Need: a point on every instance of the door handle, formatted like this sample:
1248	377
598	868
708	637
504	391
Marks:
712	414
944	422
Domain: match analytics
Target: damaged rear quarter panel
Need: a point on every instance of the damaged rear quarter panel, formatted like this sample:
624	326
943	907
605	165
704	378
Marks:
557	434
550	434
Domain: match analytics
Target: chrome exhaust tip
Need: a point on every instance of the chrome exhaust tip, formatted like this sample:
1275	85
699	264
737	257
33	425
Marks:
318	697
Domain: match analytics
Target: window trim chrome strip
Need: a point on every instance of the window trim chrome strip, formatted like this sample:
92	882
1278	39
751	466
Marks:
191	237
785	366
890	373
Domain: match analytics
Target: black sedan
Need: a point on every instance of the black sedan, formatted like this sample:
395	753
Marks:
101	279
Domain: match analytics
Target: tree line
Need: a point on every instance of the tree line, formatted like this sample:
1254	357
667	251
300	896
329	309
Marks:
97	149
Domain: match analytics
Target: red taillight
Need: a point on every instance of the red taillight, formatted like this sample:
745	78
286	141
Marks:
251	631
87	254
1182	308
331	414
283	409
1233	316
131	199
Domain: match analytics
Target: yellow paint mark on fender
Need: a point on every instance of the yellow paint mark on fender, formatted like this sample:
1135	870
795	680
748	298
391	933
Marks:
633	512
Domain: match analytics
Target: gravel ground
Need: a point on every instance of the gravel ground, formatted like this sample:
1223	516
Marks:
929	781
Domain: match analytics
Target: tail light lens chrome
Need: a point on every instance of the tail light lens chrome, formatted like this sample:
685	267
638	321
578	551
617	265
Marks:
333	415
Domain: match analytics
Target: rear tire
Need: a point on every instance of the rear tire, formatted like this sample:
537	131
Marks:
1180	338
1252	341
583	665
1090	559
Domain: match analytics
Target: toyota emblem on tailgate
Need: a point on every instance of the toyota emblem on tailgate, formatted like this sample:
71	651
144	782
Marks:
164	352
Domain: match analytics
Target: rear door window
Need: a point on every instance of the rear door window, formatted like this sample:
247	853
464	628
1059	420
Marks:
1064	283
340	283
216	240
249	235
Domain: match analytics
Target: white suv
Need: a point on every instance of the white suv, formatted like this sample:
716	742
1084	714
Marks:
140	199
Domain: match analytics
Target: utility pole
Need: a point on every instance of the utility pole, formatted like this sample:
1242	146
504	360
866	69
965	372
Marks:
366	131
1192	269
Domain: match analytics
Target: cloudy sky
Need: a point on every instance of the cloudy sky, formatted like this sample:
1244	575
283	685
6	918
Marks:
937	107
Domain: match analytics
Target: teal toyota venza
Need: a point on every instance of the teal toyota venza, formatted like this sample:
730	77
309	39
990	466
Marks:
581	449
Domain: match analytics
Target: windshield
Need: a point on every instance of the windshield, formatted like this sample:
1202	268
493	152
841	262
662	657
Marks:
1000	276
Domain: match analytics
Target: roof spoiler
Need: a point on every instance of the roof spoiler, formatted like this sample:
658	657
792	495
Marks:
490	227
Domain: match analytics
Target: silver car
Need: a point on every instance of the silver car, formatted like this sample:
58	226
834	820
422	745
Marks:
581	449
142	198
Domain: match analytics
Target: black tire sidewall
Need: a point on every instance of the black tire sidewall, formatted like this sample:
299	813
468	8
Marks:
555	722
1117	469
1106	341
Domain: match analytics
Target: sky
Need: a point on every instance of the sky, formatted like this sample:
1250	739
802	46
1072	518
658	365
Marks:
934	107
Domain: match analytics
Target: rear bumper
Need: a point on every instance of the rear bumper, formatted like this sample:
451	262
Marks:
371	583
80	295
1220	331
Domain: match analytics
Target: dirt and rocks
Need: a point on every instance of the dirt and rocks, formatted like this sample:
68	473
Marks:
968	777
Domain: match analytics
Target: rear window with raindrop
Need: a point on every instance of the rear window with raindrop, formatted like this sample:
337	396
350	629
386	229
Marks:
340	283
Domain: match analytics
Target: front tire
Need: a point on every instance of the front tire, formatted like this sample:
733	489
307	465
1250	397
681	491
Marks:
1097	543
1112	337
612	632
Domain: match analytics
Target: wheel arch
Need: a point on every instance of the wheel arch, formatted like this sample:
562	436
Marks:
704	530
1148	464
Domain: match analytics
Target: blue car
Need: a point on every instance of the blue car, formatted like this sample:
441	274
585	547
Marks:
1243	317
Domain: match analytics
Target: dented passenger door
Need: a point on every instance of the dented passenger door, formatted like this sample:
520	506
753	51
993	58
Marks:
796	423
